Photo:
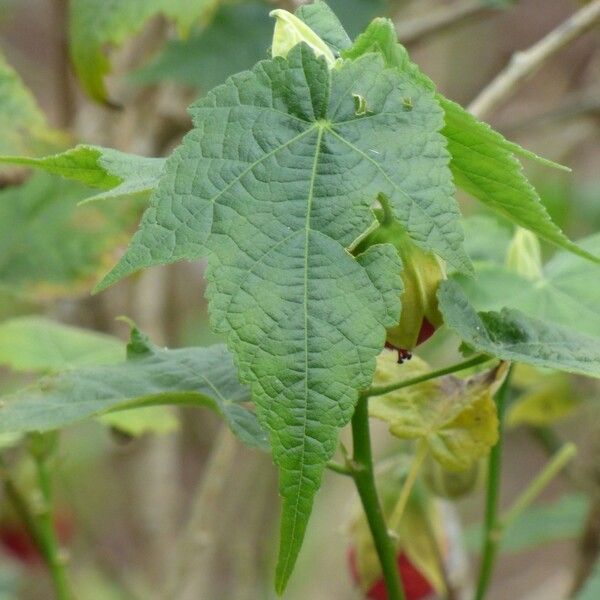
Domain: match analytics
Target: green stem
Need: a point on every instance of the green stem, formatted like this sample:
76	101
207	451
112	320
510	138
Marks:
384	389
50	545
364	480
491	523
408	486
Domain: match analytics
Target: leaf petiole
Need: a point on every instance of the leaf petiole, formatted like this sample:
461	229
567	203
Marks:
467	364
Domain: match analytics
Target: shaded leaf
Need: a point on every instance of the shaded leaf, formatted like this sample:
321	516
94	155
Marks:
48	246
455	418
151	376
539	525
120	173
34	343
513	336
96	24
23	125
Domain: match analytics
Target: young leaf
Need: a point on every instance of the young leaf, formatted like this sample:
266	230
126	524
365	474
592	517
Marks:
512	335
35	343
48	246
96	24
277	181
120	173
151	376
455	418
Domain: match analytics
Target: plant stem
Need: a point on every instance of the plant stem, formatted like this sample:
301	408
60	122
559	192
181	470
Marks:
55	557
408	486
533	490
364	480
490	536
384	389
523	64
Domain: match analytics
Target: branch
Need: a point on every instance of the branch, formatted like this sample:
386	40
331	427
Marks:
418	28
525	63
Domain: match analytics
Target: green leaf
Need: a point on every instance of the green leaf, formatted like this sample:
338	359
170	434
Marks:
485	166
539	525
483	162
23	125
138	421
151	376
276	181
591	588
34	343
120	173
513	336
96	24
48	246
208	57
455	418
566	292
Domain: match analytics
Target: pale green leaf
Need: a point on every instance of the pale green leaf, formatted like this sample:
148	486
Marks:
151	376
455	418
49	246
23	125
513	336
96	24
138	421
34	343
120	173
540	525
567	291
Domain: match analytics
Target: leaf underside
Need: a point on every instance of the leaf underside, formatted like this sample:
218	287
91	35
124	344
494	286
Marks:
151	376
513	336
276	181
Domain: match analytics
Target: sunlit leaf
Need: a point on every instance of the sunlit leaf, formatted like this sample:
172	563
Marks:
35	343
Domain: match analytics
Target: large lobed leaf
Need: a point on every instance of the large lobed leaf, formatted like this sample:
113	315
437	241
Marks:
95	24
150	377
513	336
483	163
277	180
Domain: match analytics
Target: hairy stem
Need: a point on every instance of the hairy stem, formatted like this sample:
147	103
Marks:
525	63
490	538
467	364
364	480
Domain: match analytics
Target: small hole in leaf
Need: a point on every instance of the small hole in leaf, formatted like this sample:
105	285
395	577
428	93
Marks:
407	103
360	105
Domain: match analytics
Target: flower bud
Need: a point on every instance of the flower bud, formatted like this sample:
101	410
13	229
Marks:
290	31
422	273
524	255
452	484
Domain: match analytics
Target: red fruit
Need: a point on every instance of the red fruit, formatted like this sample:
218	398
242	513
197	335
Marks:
416	587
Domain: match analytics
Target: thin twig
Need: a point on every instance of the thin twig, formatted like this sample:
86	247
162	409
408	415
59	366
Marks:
525	63
420	27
